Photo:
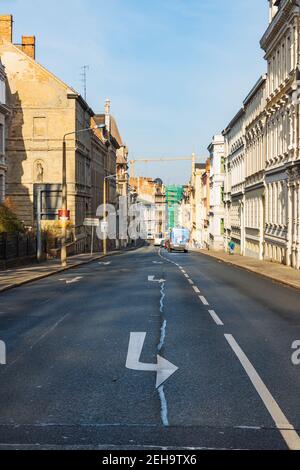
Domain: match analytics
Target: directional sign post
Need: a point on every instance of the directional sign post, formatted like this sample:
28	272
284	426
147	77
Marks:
89	222
164	369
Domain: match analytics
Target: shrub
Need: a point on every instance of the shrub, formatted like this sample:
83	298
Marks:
9	222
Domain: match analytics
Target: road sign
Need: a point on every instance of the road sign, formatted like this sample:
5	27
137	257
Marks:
63	214
164	369
104	226
91	222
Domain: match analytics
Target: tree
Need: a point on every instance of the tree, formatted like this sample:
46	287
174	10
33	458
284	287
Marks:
9	222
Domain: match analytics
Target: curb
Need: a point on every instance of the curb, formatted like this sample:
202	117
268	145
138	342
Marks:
57	271
250	270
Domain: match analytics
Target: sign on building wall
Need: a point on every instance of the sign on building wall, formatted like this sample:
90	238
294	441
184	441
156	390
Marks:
51	200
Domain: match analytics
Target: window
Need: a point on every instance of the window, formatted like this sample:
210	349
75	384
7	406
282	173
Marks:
222	164
39	127
222	194
2	188
2	147
2	92
222	226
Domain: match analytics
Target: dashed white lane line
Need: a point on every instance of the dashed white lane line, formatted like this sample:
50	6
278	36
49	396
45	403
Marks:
191	282
203	300
187	276
196	289
183	271
286	429
215	317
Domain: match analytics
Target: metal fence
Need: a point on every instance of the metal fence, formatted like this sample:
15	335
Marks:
16	245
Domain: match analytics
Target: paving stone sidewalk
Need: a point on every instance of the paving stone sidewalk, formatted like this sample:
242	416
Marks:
18	276
274	271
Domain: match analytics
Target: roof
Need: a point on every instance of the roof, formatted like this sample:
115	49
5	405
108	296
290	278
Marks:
100	119
71	92
200	166
255	89
2	71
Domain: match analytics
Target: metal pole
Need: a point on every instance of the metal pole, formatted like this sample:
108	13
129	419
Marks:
39	225
92	242
104	217
64	205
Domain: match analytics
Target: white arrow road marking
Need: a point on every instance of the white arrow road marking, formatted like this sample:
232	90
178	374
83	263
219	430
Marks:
2	353
152	279
107	263
164	369
72	281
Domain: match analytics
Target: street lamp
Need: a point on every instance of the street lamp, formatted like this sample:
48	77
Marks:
104	211
64	191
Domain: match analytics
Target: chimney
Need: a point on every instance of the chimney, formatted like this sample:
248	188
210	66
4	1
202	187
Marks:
273	9
28	46
6	27
107	115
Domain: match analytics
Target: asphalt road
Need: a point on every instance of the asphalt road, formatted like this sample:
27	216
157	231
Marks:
229	332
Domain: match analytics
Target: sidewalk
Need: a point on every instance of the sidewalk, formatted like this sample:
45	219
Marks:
18	276
274	271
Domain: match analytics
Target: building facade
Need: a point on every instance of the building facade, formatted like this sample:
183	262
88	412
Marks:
217	177
205	203
4	113
255	161
281	45
234	183
151	195
262	150
43	110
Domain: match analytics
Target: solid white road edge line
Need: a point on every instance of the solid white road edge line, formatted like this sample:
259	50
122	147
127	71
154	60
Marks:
285	428
215	317
203	300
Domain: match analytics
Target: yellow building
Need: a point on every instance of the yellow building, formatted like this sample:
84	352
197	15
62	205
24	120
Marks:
44	109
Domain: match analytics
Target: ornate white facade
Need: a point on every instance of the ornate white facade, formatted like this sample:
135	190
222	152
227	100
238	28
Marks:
282	218
255	160
234	190
262	142
217	177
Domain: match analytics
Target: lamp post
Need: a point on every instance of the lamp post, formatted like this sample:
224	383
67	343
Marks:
104	211
64	191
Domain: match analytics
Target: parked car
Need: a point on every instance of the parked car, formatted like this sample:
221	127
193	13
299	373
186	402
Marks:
179	240
158	239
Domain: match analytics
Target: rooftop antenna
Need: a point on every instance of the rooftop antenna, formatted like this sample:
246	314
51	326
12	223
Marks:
84	69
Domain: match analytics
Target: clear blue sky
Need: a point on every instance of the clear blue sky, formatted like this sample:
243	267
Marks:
176	71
